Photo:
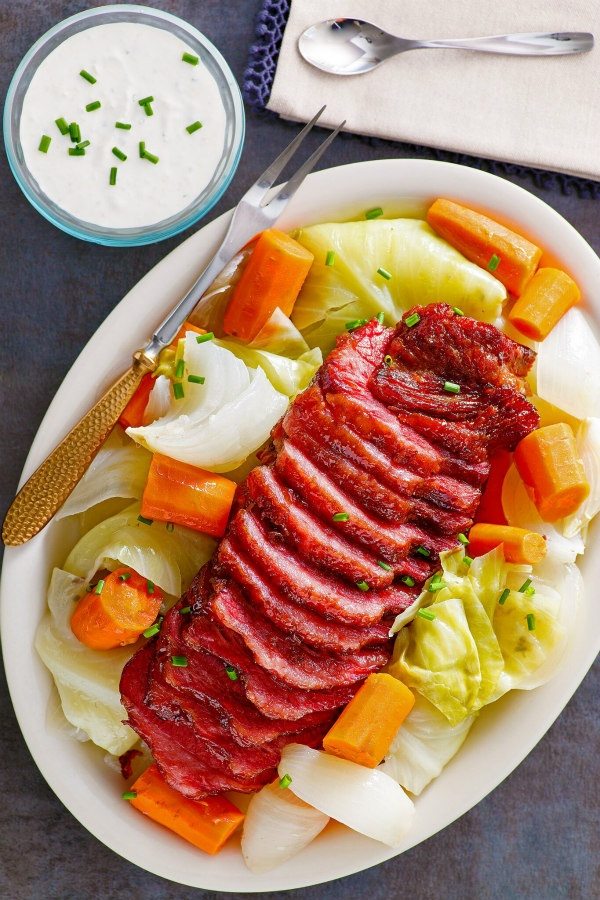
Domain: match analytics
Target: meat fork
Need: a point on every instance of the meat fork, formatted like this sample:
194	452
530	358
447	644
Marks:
50	485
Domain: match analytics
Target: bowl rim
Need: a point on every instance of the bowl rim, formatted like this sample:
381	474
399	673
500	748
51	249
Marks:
150	234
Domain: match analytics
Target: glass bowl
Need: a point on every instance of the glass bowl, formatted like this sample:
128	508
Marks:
232	142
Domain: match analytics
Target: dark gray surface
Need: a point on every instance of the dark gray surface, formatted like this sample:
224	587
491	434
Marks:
535	837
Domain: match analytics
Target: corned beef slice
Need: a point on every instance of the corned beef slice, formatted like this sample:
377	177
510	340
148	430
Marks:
378	437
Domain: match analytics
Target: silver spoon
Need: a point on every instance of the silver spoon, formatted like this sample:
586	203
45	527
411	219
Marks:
351	46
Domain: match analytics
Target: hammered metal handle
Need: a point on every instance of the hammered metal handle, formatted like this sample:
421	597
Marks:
50	485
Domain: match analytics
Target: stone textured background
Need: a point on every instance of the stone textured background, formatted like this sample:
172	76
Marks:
535	837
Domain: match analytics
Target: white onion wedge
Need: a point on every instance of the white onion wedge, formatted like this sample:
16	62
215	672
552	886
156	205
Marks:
568	367
588	446
278	825
159	400
366	800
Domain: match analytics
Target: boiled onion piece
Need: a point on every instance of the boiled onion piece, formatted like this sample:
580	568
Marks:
588	446
159	400
568	367
278	825
366	800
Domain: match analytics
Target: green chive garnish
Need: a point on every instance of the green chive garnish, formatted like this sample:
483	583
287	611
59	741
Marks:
436	585
451	387
422	551
145	100
62	125
205	337
180	661
468	560
142	146
88	77
384	565
330	258
355	323
426	614
457	311
493	263
113	175
388	360
99	586
119	154
380	317
150	157
196	379
504	596
384	273
178	390
124	125
145	521
185	610
148	109
408	580
462	538
231	673
76	151
529	591
195	126
154	629
124	576
45	142
531	621
285	781
362	585
412	320
179	368
341	517
92	106
524	586
374	213
170	526
190	58
150	586
75	132
129	795
82	145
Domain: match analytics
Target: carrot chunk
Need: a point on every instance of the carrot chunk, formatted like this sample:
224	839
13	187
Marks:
364	731
184	494
272	278
117	611
547	297
511	258
547	462
520	545
490	506
133	414
206	824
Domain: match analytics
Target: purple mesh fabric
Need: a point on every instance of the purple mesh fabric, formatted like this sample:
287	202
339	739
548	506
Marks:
260	74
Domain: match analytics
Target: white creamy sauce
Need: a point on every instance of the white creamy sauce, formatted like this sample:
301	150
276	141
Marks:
130	61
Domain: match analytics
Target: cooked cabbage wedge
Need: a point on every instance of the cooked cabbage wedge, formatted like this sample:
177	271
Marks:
87	680
289	376
423	267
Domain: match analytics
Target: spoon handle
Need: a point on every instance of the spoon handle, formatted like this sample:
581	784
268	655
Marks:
534	44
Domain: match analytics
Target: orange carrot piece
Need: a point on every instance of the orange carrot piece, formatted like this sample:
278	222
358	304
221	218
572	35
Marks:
184	494
119	613
272	278
520	545
490	506
553	473
511	258
207	824
133	414
545	300
365	729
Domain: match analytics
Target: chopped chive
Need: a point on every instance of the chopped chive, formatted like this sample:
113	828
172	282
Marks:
179	661
185	610
148	109
205	337
468	560
341	517
82	145
451	387
99	587
408	580
412	320
196	379
150	157
45	142
462	538
75	132
124	125
76	151
195	126
124	576
422	551
504	596
146	100
88	77
384	565
170	527
493	263
231	673
179	368
190	58
384	273
142	147
531	621
150	632
112	179
95	104
178	390
150	586
435	586
330	258
374	213
355	323
387	359
426	614
62	125
145	521
129	795
524	586
363	585
380	317
119	154
457	311
529	591
285	781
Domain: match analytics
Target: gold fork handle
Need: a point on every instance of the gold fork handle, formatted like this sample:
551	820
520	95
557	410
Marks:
50	485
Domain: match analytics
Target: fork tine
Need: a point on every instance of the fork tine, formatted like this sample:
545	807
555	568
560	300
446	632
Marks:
267	179
289	189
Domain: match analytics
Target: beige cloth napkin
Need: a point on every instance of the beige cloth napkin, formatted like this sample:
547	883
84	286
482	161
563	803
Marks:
542	112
